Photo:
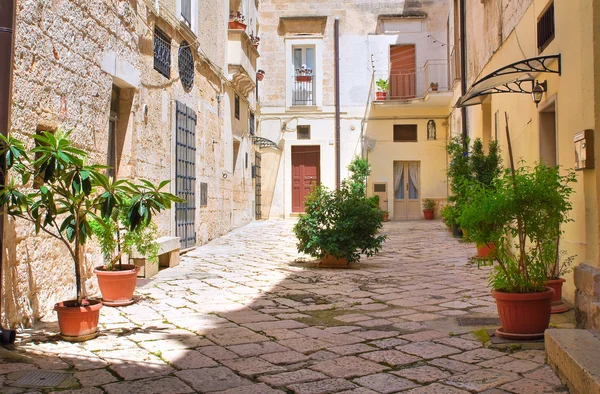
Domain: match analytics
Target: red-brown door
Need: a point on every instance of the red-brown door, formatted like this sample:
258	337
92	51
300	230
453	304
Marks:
402	72
305	173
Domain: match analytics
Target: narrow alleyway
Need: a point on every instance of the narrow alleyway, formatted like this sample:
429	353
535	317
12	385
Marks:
246	314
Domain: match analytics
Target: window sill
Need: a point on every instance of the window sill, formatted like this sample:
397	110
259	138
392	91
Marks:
304	108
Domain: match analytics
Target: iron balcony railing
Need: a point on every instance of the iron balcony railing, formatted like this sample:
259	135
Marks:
412	84
303	89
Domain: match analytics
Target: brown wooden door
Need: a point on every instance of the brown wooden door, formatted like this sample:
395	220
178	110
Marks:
305	173
403	82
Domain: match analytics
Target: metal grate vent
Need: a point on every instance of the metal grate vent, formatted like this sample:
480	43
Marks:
41	379
478	321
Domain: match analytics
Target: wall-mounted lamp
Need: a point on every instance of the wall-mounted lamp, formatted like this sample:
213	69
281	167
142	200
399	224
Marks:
538	91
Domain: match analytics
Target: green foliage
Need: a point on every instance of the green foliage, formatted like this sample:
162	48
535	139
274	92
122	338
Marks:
523	213
340	223
72	193
428	204
485	169
359	169
449	215
383	85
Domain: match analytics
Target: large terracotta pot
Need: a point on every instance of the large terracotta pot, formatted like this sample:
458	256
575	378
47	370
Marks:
428	213
78	323
332	262
117	287
558	306
485	250
381	95
526	315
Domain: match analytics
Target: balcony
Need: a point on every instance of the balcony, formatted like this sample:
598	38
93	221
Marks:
241	59
428	84
303	89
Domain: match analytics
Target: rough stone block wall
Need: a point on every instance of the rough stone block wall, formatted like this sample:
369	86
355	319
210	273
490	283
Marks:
587	296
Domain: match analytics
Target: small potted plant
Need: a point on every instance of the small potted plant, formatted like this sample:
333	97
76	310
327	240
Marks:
428	208
255	40
382	88
434	86
69	193
303	74
236	21
557	266
260	74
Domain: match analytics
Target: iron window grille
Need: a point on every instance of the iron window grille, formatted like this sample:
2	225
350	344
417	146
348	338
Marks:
162	53
251	125
186	11
405	133
237	107
545	28
185	175
186	65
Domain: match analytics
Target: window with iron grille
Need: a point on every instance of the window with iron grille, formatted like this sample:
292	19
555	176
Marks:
162	53
545	28
405	133
303	132
186	66
186	11
251	125
237	106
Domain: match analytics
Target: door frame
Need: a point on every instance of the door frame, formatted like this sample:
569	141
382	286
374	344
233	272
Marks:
291	171
394	216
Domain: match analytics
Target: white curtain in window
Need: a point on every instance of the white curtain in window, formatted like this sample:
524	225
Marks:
413	176
399	180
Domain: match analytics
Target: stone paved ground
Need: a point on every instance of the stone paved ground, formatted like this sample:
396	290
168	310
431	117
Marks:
240	316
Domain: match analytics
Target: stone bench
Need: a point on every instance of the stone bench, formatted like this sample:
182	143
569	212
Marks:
168	256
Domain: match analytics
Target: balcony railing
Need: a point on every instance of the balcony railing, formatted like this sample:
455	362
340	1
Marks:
303	89
411	84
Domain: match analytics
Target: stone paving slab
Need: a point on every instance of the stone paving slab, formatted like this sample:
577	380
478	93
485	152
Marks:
249	315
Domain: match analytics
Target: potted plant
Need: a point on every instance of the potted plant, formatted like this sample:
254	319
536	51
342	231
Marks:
428	208
382	88
303	74
459	171
434	86
68	194
557	266
260	74
386	216
255	40
236	21
339	225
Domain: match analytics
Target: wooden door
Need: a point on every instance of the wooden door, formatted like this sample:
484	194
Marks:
305	173
407	197
403	82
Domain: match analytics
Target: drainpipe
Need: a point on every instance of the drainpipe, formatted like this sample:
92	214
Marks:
7	23
463	67
336	33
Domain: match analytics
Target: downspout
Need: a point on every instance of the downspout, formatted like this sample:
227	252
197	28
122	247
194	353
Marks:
7	23
463	67
336	33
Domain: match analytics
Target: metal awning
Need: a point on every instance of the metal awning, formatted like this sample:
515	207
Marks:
264	142
517	77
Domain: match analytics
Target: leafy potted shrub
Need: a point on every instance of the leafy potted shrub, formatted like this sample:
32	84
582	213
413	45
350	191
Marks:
459	171
339	225
118	239
236	21
382	88
434	86
68	194
428	208
525	208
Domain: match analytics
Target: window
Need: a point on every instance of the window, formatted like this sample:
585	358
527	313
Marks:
251	124
186	11
303	132
304	75
545	28
162	53
405	133
111	159
237	106
186	66
203	194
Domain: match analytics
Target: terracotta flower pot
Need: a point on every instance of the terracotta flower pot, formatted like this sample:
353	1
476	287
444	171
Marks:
332	262
303	78
386	217
260	76
235	25
558	306
117	287
485	250
523	315
381	95
428	213
78	323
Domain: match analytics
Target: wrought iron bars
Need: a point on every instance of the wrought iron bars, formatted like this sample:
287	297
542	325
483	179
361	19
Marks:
162	53
185	175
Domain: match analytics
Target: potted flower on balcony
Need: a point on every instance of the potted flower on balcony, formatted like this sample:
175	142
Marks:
382	88
236	21
434	86
71	193
255	40
303	74
260	74
428	208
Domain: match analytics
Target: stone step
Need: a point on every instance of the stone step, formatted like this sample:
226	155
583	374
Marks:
574	355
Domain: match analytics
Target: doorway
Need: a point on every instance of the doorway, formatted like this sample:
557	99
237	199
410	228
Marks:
407	197
403	84
548	151
306	172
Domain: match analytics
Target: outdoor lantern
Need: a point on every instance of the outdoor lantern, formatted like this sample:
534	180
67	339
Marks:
538	91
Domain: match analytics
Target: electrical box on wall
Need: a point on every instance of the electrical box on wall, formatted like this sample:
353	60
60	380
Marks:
584	149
